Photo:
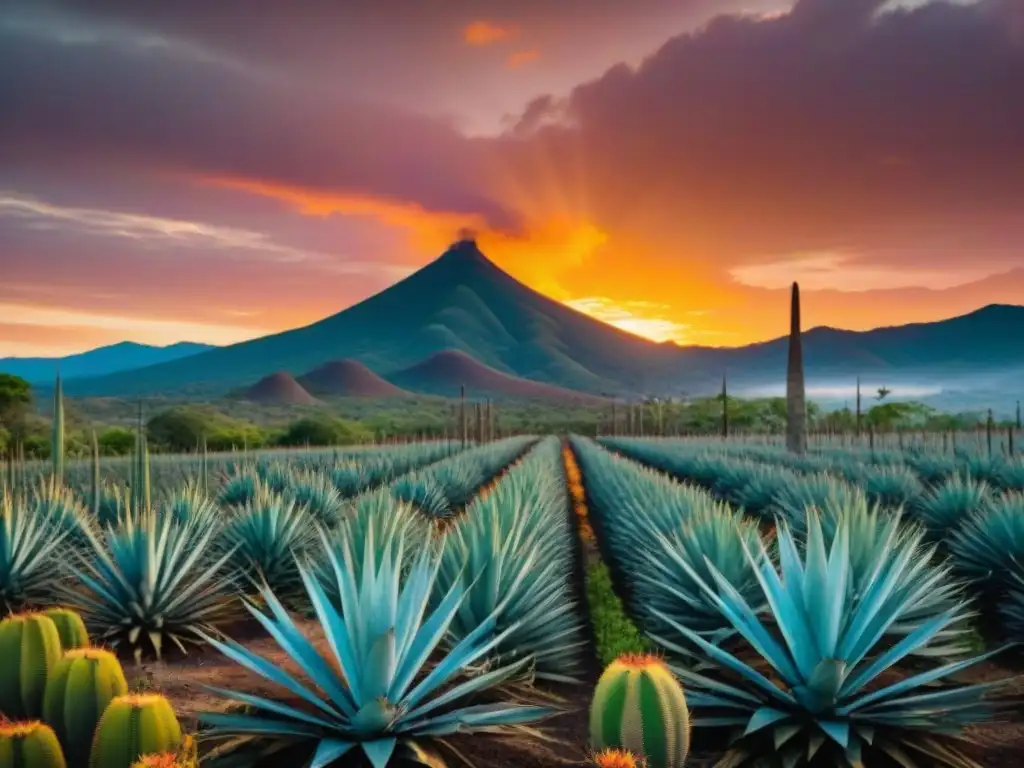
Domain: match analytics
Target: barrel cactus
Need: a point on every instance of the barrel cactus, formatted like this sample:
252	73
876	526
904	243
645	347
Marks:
70	627
30	745
639	706
133	726
80	687
29	650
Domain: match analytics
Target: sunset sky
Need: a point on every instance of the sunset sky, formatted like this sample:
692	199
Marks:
214	170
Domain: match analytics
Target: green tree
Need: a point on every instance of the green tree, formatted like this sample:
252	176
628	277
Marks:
321	432
15	404
116	441
182	428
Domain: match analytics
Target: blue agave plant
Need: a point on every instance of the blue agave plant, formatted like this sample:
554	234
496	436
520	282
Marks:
30	546
316	492
151	579
990	543
952	502
425	494
828	703
374	693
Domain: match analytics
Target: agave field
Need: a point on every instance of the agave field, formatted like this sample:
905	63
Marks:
534	602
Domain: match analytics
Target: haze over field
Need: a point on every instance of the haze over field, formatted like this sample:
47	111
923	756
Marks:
217	172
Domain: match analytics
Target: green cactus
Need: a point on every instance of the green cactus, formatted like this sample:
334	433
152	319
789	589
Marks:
29	650
70	627
81	686
57	443
639	706
133	726
29	745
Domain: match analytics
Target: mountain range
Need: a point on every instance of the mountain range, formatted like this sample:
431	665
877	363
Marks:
469	312
114	358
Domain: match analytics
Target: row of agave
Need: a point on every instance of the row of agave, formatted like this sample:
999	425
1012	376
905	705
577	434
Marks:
980	529
153	575
796	645
64	702
917	471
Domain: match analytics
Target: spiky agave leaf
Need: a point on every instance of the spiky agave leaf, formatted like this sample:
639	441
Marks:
275	475
373	517
990	542
240	487
30	546
714	536
950	503
192	504
1012	607
828	701
316	492
821	491
424	493
264	537
500	552
892	487
151	579
374	693
61	506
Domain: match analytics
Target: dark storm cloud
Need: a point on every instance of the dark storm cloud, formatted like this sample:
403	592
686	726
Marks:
831	126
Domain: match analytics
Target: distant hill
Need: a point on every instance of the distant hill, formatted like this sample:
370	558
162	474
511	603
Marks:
463	302
278	389
98	362
446	372
348	378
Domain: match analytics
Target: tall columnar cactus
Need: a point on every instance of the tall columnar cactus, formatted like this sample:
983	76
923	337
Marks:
796	399
70	628
133	726
81	686
57	443
29	650
639	707
29	745
859	417
725	407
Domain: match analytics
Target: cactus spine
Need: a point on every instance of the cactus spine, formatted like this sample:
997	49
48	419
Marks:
133	726
29	745
29	650
617	758
81	686
70	628
639	707
57	443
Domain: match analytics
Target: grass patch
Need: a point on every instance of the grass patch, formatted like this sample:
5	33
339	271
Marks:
614	632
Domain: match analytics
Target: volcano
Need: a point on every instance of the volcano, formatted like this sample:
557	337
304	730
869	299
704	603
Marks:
348	378
278	389
462	302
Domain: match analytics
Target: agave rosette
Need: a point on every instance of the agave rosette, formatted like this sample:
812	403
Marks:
263	538
240	487
989	544
425	494
374	694
712	537
831	699
59	505
30	546
316	492
950	503
151	579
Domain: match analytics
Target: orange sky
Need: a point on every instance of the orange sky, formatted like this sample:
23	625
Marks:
665	170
